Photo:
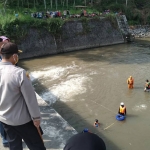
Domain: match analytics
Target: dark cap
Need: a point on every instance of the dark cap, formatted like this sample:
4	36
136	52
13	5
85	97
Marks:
9	48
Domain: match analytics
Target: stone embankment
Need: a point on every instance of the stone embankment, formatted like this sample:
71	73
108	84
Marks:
140	31
75	35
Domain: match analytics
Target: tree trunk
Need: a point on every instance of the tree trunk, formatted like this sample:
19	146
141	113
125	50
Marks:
67	3
63	3
18	3
34	3
37	2
74	4
51	4
56	4
45	4
126	2
85	2
5	6
28	3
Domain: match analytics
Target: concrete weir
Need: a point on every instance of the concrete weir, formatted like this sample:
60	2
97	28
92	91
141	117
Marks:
75	35
56	130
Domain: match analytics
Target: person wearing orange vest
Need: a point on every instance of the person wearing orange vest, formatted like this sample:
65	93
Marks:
130	82
122	109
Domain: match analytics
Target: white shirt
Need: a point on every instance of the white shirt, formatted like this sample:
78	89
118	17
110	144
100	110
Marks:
18	103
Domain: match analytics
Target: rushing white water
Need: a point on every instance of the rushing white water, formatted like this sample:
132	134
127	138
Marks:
69	85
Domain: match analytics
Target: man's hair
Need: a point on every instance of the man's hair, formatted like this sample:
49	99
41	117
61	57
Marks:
6	56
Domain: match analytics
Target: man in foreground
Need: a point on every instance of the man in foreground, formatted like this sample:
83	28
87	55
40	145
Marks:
19	111
3	39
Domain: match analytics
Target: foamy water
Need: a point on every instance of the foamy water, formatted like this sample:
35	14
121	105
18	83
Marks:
139	107
67	89
53	72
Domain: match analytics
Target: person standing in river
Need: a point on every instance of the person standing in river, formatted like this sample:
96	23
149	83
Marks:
130	82
147	86
122	109
19	111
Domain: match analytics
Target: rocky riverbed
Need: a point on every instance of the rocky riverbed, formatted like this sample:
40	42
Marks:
140	31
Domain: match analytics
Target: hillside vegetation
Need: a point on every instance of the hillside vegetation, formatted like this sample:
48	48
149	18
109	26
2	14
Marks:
16	17
137	11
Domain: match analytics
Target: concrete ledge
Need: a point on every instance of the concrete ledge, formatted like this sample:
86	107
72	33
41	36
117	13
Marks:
56	130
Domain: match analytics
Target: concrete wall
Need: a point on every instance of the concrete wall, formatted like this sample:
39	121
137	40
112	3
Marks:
140	31
74	36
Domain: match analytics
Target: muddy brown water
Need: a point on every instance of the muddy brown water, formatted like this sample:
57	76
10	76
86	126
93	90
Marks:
90	84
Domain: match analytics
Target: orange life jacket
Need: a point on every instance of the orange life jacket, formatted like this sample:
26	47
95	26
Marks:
130	81
122	109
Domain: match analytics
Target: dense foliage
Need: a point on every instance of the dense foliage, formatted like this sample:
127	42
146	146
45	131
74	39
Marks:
137	11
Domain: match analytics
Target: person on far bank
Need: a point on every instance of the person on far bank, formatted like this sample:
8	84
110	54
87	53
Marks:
130	82
19	111
122	109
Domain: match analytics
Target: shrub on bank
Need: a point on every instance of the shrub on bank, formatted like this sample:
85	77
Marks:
17	28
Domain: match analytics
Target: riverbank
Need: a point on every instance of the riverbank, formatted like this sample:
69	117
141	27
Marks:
75	35
56	130
140	31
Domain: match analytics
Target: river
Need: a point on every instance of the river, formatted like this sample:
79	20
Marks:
90	84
